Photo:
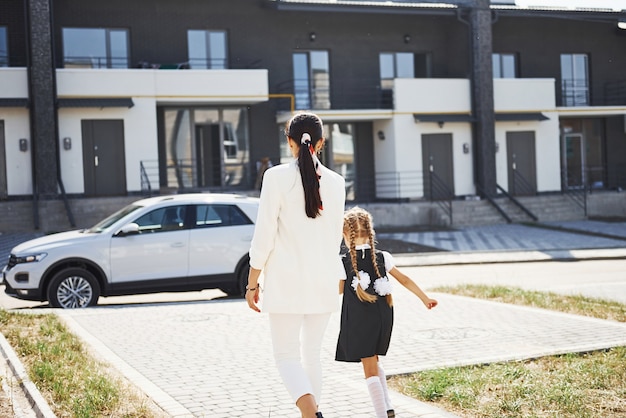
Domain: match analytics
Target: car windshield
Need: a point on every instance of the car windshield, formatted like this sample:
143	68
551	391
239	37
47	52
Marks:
107	222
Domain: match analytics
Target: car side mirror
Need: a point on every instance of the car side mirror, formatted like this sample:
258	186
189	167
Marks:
128	229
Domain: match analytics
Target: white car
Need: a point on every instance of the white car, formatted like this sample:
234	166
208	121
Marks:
161	244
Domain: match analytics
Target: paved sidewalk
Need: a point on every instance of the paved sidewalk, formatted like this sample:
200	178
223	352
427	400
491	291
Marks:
212	358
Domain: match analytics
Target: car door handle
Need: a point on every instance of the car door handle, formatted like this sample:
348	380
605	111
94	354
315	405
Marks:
178	244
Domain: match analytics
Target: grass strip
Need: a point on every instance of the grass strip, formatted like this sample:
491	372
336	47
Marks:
585	385
73	383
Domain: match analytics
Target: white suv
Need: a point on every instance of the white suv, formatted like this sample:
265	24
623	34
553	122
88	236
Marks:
162	244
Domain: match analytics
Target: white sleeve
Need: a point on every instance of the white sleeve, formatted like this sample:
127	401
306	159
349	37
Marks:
389	264
266	225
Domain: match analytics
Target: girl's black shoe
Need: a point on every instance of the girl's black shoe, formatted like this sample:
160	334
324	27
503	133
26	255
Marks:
319	415
391	414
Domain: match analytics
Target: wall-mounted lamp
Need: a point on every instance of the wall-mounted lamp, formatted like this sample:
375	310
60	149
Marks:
381	135
465	148
67	143
312	36
440	123
407	39
23	144
497	146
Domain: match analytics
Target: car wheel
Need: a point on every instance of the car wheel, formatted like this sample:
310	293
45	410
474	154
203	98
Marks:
239	288
73	288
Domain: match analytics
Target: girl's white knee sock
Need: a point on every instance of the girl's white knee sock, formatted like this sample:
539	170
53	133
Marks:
375	389
383	382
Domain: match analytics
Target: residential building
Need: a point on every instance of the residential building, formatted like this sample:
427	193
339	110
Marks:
421	100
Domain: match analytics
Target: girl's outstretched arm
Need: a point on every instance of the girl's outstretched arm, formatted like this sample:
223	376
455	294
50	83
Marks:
413	287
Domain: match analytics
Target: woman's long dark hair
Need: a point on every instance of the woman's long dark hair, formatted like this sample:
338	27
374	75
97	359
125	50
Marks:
297	126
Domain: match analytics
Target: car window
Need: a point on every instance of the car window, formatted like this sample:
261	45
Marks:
110	220
163	219
211	216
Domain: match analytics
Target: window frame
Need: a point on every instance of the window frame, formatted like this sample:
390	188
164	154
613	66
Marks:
572	87
4	46
498	61
310	91
209	59
106	61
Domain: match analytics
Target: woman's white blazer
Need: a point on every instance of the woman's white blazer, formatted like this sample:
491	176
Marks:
299	256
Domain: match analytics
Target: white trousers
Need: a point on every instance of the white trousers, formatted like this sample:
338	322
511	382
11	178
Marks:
297	343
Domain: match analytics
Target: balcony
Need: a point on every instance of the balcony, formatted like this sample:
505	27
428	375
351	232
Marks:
420	95
197	86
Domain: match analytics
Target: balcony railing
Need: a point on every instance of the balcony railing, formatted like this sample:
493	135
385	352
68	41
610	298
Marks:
575	92
360	94
73	61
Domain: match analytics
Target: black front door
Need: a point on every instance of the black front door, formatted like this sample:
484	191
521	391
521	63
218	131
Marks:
520	148
104	161
437	163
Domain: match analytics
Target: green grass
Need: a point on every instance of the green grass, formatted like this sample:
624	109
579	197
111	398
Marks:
73	383
586	385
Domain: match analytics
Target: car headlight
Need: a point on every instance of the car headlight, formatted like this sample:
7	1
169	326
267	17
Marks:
30	258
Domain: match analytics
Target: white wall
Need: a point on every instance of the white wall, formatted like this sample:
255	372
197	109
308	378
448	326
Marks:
140	140
19	164
202	86
145	87
453	97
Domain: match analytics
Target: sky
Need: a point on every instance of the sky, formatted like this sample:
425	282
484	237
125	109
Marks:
609	4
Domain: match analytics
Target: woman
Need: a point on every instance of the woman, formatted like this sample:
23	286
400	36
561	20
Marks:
296	244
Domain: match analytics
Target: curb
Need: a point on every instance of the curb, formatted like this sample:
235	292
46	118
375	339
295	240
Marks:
39	404
512	256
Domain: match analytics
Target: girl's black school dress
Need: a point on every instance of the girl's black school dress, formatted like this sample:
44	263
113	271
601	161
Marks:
365	327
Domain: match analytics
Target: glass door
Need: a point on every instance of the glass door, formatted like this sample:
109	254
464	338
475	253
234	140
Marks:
573	161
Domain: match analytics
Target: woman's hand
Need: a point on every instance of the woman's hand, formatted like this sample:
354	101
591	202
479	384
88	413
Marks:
253	289
252	297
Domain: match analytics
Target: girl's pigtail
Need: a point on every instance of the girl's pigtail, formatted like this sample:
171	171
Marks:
360	293
372	241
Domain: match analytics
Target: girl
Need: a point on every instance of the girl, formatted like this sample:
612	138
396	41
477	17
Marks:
367	312
299	223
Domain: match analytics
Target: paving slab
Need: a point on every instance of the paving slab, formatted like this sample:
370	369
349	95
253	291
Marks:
213	359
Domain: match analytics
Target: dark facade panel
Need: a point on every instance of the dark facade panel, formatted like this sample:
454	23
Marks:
10	102
97	102
442	117
519	117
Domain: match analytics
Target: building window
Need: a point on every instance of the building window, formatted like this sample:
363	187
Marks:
574	80
207	49
95	48
504	66
311	80
395	65
4	47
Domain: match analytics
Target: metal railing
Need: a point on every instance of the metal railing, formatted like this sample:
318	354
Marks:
360	94
521	186
493	203
440	193
575	92
517	203
576	191
75	61
615	93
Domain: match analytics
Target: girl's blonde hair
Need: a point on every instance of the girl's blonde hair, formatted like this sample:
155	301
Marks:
357	223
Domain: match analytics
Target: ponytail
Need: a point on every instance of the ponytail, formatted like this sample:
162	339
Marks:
306	129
